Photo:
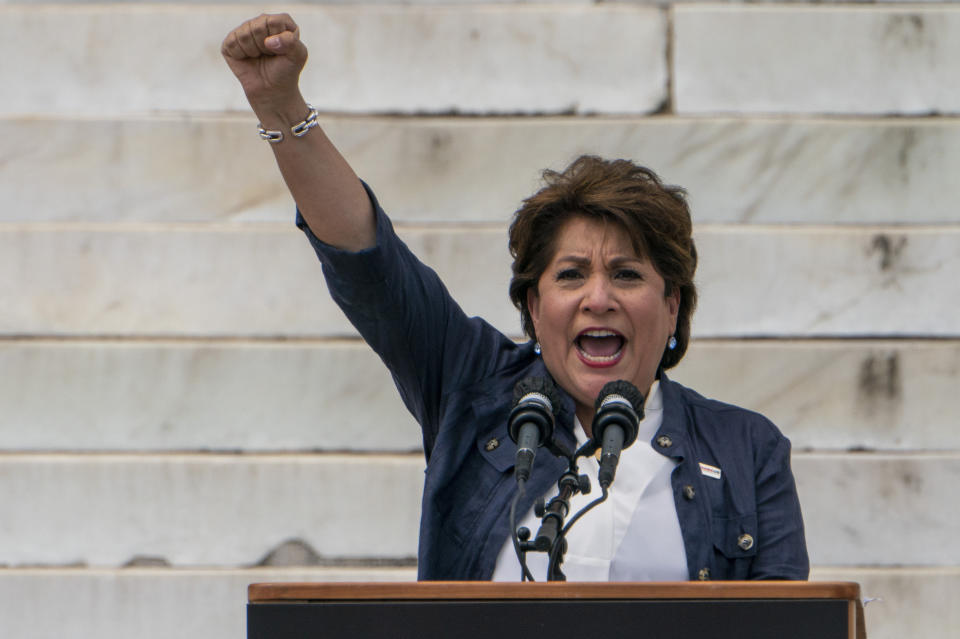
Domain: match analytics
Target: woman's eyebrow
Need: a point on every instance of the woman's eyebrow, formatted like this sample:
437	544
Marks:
581	260
622	260
578	260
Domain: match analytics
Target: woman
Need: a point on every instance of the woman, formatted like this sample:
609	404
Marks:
603	277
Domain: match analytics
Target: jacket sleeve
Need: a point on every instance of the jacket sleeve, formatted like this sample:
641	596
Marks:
782	551
402	309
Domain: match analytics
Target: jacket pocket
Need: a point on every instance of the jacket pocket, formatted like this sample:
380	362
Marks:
735	541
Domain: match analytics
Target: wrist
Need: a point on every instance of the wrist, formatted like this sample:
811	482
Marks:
280	113
298	130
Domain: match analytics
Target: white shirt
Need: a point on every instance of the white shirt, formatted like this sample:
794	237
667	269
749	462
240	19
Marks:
634	535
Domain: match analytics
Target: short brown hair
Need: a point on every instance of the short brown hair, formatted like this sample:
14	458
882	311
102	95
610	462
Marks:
654	215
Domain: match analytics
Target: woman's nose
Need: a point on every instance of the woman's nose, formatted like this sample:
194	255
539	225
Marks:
598	296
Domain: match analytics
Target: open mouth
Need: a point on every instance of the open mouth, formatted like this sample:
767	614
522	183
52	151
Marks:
600	347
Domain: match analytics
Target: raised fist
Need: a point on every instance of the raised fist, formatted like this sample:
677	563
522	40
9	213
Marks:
267	56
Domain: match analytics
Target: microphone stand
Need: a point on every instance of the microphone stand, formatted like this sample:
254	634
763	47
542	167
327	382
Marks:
619	405
551	536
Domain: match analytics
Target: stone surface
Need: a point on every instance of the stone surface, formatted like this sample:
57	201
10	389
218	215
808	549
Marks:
227	281
284	396
879	509
206	510
451	170
164	169
487	59
224	510
333	396
249	281
828	282
147	604
256	7
907	602
887	395
816	59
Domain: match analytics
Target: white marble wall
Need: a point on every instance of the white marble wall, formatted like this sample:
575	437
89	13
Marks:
378	58
250	282
180	403
821	59
791	170
295	395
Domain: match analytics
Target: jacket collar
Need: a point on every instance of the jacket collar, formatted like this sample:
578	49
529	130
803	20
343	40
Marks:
672	437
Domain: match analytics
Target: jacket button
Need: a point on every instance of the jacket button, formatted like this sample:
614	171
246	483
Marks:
745	541
664	442
704	574
688	492
492	444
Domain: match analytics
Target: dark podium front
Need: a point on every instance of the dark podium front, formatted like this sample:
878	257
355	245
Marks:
484	610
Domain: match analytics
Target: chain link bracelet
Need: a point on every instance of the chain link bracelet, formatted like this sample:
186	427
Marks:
298	130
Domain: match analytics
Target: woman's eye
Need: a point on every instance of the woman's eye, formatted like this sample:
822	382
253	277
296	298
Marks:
568	274
628	275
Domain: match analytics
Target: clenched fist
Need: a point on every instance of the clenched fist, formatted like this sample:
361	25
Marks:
267	56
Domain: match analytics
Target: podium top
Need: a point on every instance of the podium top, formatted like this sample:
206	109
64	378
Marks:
454	590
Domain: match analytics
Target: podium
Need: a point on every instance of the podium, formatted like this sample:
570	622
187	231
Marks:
619	610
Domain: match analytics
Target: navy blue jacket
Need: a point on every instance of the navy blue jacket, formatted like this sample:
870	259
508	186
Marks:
456	375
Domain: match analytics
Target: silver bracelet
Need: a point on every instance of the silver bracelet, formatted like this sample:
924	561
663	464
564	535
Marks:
298	130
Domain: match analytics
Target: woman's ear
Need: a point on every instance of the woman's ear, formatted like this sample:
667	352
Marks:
673	305
533	305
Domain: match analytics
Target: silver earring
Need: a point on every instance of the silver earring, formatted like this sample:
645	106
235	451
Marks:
536	348
672	343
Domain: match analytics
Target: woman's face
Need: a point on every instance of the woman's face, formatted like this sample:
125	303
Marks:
600	313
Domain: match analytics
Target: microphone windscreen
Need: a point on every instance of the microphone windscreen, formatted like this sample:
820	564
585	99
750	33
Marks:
540	385
618	403
625	390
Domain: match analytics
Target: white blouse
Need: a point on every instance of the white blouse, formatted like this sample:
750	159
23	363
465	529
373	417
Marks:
634	535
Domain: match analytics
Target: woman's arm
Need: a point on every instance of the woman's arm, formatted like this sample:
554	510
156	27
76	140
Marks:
267	56
783	547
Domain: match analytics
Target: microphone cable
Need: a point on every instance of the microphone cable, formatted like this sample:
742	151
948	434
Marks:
525	574
536	403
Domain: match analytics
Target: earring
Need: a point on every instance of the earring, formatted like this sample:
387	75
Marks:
536	348
672	343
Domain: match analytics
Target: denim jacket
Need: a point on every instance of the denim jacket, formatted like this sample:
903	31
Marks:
456	376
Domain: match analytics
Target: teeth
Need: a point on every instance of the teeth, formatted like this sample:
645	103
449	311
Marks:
599	333
599	358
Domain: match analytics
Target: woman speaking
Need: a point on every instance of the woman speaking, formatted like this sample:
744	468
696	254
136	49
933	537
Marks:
603	268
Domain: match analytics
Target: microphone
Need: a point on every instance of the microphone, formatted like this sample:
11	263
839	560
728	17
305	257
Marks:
531	423
615	425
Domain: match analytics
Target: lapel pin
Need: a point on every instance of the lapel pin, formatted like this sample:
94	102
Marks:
710	471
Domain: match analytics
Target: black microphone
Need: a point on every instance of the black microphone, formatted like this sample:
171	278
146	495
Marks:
535	405
615	425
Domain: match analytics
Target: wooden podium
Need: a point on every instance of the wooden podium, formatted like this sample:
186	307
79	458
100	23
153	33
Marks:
485	610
